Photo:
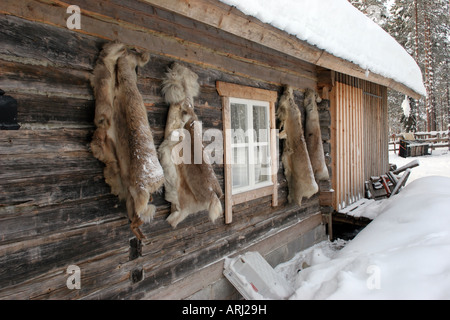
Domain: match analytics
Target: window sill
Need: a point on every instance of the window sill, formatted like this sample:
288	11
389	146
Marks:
242	197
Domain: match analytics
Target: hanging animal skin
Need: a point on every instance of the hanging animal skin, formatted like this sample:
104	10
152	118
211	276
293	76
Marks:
314	137
123	139
297	166
189	186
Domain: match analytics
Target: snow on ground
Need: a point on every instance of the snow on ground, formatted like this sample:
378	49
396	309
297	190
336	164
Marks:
437	164
342	30
404	253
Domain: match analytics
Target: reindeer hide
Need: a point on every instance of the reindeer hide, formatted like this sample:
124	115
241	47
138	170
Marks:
190	187
123	139
295	158
314	136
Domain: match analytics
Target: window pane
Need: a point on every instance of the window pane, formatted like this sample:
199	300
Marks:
239	122
260	123
240	167
250	157
262	164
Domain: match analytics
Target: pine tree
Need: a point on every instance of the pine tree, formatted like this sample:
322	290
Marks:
429	66
440	24
422	27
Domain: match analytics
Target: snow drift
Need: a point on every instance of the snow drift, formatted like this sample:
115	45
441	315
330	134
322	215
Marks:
403	254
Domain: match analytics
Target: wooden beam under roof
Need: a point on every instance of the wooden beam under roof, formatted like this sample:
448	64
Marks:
230	19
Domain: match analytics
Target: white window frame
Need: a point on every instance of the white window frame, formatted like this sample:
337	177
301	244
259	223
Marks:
251	144
232	92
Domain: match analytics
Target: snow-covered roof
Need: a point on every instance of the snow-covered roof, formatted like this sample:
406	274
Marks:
343	31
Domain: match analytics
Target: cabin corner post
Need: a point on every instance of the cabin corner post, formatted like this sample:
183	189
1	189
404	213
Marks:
274	153
326	190
227	160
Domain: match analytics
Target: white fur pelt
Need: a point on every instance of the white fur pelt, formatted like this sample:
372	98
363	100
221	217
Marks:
123	139
295	158
189	187
313	136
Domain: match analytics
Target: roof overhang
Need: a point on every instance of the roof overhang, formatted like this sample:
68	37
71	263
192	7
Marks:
230	19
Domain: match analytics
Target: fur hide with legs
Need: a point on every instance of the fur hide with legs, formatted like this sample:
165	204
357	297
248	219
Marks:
297	166
313	136
190	187
123	140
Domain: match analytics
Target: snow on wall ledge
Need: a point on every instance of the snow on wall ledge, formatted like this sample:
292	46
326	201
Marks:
343	31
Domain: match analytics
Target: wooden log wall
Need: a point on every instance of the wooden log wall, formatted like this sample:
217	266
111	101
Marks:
55	208
360	136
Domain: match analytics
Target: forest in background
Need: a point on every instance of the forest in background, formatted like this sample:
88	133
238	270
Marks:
422	27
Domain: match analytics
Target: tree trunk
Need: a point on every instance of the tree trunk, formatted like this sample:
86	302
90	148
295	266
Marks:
416	57
429	77
416	29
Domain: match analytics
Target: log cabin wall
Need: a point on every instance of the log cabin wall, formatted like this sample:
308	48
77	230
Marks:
56	209
360	136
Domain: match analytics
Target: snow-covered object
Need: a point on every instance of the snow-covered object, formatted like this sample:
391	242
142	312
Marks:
343	31
406	107
437	164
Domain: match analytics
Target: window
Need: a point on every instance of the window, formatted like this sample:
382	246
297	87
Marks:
249	144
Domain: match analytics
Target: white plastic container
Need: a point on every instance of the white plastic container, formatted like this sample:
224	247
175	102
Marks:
255	279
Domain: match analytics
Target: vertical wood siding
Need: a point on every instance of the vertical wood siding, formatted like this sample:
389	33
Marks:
359	136
376	130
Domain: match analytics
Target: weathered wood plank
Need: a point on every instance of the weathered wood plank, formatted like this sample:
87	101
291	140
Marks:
180	27
19	166
39	221
33	108
56	53
232	90
216	251
27	259
198	232
104	27
44	141
44	45
111	268
233	21
19	77
45	190
178	268
213	272
187	250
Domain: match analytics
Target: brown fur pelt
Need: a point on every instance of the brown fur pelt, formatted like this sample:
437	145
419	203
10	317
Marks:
190	187
314	137
295	158
123	139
